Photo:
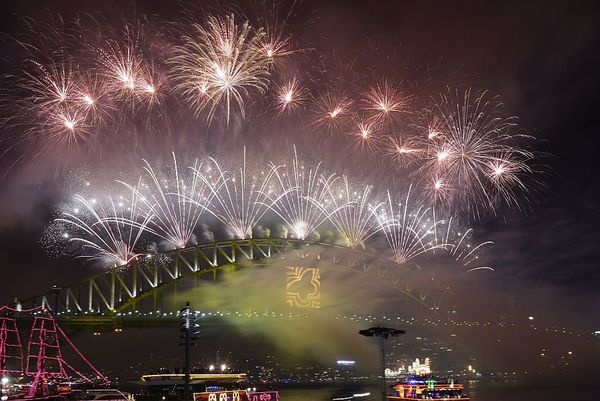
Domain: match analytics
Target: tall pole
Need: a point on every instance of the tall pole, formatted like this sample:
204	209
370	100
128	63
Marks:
382	333
186	328
186	384
383	384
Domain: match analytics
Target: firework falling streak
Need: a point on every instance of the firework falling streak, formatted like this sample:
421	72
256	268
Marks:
108	230
457	242
409	228
175	202
221	65
354	211
300	196
240	198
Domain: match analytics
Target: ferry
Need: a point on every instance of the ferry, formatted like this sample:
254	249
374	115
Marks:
204	387
427	388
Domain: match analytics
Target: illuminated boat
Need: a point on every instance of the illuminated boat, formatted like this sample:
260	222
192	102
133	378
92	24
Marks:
37	369
205	387
428	388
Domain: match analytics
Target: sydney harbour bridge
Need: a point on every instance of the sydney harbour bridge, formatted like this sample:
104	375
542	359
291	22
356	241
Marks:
148	291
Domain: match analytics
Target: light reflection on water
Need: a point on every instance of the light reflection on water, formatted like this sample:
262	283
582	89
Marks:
477	392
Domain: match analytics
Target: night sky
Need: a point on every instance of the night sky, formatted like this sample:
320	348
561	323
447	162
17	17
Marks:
542	59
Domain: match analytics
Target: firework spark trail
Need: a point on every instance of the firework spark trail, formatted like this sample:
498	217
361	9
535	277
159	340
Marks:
167	199
239	198
407	228
219	65
110	231
354	213
299	196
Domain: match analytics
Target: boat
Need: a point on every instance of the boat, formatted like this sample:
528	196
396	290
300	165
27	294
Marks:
36	369
204	387
428	388
99	394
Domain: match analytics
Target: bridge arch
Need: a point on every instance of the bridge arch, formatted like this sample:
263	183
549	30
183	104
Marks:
119	291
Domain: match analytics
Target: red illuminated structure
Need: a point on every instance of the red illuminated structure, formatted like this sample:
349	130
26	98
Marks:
43	364
11	351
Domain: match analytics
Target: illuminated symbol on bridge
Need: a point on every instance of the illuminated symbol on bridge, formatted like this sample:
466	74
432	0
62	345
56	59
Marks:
303	288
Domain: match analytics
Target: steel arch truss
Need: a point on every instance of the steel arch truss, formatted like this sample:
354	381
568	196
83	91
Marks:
118	290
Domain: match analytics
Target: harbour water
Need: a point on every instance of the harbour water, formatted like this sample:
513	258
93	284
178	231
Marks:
477	392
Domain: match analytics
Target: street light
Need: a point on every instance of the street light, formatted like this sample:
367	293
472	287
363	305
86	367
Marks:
383	333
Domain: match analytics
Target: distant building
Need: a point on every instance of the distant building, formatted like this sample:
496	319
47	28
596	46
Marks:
416	368
421	369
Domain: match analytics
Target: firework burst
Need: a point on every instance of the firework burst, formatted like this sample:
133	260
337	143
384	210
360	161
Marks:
402	151
474	157
332	111
291	97
384	102
220	65
366	136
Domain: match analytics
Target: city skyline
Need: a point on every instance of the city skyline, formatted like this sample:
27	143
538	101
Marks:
332	136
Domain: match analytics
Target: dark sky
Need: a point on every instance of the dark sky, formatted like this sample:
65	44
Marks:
541	57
